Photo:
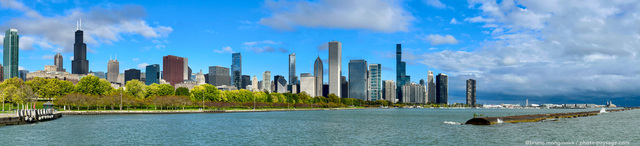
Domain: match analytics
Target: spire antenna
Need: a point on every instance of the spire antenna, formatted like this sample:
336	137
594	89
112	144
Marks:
80	26
77	25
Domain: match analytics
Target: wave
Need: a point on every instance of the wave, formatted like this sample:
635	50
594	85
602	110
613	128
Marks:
452	123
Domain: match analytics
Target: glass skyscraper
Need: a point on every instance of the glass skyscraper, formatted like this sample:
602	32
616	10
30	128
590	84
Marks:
442	91
152	74
358	79
375	83
293	79
318	70
236	69
10	53
471	92
401	72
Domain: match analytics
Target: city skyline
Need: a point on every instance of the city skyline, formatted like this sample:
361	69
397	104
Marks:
468	44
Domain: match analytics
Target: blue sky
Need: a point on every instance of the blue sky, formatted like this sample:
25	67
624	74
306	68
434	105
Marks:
544	51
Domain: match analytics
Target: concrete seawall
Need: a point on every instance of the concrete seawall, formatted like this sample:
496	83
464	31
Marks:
535	118
29	116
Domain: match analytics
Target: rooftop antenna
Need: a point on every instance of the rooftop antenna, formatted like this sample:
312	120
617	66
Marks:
80	27
77	25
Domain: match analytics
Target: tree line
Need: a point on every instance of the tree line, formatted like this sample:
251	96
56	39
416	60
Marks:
92	93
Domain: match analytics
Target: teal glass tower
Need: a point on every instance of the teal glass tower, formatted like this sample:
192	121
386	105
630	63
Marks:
236	69
10	53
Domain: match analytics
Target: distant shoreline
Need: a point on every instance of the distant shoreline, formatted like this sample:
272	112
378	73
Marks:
125	112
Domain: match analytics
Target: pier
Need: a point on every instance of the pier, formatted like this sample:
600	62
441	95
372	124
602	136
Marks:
29	116
535	118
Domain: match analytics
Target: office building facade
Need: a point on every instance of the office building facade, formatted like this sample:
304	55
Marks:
308	84
414	93
10	54
389	91
152	74
318	72
358	79
131	74
219	76
401	72
80	64
335	67
442	89
245	81
471	92
113	70
173	69
375	82
293	79
280	84
266	81
58	61
236	69
431	88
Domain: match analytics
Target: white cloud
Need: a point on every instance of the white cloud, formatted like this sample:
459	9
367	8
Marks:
47	57
375	15
435	3
142	65
266	46
436	39
454	21
135	59
568	51
226	49
21	68
71	58
269	42
101	26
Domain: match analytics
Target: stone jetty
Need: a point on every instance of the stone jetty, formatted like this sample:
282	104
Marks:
29	116
536	118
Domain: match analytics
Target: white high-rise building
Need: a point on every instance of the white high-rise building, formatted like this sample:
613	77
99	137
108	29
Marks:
335	67
308	84
266	81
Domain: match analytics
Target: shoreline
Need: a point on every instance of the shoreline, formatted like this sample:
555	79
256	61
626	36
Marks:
126	112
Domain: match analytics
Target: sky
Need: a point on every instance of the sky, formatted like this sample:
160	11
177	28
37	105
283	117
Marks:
551	51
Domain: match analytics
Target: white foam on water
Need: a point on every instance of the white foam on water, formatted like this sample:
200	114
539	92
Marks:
452	123
500	121
603	110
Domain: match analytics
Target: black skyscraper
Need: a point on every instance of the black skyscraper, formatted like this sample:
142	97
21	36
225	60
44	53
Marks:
80	64
442	91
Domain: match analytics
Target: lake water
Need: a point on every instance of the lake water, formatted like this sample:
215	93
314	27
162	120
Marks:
335	127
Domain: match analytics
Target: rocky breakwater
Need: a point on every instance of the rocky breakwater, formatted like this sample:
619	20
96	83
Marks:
29	116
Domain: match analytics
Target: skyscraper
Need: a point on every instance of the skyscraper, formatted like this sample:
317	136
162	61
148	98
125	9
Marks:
254	84
80	64
131	74
173	69
389	91
308	84
442	91
293	79
414	93
236	69
471	92
358	79
280	84
318	70
57	61
246	81
344	87
113	70
219	76
335	67
22	74
10	60
375	82
152	74
401	72
266	81
186	71
1	73
431	88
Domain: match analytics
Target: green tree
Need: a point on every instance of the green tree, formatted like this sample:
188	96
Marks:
92	85
182	91
136	89
166	89
209	92
152	90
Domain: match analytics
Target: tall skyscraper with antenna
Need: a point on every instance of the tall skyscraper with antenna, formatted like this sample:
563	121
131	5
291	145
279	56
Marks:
80	64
